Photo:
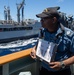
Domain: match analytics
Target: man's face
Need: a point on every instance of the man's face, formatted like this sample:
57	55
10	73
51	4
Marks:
50	23
46	22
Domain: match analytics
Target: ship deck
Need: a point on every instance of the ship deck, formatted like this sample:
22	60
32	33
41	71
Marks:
13	64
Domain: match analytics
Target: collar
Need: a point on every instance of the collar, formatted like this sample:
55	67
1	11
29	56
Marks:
60	30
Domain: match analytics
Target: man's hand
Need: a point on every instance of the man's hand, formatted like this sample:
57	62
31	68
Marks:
33	53
55	65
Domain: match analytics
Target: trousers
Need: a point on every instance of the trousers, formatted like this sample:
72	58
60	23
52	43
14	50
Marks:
44	71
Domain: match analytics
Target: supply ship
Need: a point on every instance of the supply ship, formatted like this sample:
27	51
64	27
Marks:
22	29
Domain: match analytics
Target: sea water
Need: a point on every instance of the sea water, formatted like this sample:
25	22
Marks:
15	46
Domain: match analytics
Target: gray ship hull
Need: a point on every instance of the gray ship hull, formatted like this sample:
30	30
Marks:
12	32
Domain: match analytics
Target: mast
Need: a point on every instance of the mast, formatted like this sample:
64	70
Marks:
9	17
5	13
18	14
19	7
22	14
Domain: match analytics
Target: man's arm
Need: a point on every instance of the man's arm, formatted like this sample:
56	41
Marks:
69	61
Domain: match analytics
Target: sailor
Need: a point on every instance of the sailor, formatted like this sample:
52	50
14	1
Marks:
54	31
63	19
70	21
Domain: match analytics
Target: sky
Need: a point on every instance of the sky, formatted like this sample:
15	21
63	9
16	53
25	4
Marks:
33	7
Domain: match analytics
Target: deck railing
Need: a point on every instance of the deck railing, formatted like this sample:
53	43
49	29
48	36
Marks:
11	57
21	59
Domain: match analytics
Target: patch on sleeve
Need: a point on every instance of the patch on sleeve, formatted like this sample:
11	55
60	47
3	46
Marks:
69	33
